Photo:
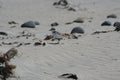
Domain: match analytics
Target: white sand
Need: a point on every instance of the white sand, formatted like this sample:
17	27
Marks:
91	57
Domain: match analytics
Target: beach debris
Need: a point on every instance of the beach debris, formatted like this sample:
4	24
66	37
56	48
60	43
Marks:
77	30
3	33
106	23
27	43
11	53
56	35
112	16
98	32
2	59
48	37
6	71
39	43
61	3
69	76
20	44
54	24
70	36
64	5
117	29
29	24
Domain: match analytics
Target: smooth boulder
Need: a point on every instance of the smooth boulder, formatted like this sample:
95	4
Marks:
29	24
77	30
106	23
79	20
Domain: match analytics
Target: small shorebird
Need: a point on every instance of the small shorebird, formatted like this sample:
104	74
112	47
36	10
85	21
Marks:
56	35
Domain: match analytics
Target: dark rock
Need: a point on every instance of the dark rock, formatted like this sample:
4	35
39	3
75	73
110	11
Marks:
77	30
29	24
98	32
44	44
54	24
112	16
106	23
79	20
116	24
3	33
37	43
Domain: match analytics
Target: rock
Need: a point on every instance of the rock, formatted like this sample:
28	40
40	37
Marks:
37	43
3	33
44	44
54	24
116	24
106	23
79	20
77	30
112	16
29	24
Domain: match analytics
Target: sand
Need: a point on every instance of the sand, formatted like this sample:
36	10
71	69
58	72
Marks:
90	57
